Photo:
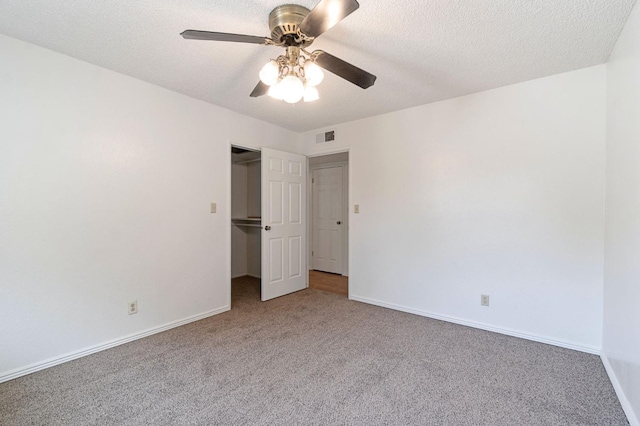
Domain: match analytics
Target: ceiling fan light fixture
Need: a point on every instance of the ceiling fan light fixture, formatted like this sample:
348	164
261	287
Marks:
292	89
291	76
269	73
313	73
311	93
275	91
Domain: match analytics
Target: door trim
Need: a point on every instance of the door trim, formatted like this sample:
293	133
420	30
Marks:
345	222
346	194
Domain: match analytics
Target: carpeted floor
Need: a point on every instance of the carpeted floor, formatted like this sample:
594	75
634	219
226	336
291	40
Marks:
317	358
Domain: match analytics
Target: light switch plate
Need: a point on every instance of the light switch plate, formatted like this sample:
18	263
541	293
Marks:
484	299
356	208
213	207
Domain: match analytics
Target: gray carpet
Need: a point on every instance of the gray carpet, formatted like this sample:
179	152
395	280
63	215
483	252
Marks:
317	358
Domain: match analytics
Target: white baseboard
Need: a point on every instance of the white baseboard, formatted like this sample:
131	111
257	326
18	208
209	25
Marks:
239	275
32	368
626	405
254	276
487	327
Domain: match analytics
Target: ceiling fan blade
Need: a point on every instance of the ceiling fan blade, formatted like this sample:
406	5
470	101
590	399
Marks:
325	15
259	90
208	35
343	69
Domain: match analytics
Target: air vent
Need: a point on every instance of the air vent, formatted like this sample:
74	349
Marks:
329	136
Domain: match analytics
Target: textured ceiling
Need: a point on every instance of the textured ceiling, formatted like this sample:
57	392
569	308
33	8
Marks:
421	51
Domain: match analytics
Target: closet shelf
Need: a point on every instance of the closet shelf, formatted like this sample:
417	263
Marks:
249	222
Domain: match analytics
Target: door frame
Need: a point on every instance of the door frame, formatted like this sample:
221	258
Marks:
346	195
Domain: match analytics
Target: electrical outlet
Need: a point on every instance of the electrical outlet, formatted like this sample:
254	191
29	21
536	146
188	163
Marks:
484	299
356	208
214	207
133	307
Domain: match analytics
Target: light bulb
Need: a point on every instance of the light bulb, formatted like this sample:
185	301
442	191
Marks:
275	91
313	73
292	89
269	73
310	93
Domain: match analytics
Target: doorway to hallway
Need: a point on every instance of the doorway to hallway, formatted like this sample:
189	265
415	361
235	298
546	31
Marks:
329	223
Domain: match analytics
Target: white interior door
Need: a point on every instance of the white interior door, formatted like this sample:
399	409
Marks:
327	219
284	223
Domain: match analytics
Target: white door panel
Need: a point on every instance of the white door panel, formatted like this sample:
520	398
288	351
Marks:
283	220
327	219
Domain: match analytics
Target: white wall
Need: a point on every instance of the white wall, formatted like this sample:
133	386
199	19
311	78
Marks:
239	201
254	189
498	193
254	252
621	336
254	209
105	185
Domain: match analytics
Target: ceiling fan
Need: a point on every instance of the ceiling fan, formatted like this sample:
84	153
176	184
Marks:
295	75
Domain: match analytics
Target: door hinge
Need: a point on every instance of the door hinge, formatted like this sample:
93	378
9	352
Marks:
311	252
313	180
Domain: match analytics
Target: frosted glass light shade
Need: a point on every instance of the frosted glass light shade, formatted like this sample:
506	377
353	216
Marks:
269	73
311	93
292	89
275	91
313	73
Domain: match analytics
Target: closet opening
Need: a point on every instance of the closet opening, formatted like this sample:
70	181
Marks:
246	224
329	223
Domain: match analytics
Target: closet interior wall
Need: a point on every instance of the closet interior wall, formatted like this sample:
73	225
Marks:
245	210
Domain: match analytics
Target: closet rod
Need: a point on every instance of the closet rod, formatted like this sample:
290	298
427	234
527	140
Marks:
250	225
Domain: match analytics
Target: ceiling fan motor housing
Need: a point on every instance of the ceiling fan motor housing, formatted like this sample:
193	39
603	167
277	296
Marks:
284	21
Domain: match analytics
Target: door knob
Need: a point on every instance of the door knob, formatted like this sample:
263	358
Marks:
339	223
267	228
